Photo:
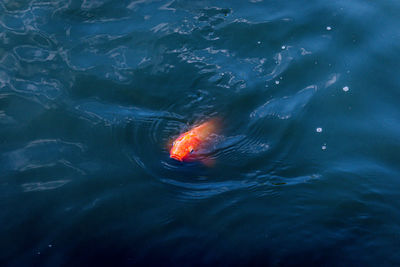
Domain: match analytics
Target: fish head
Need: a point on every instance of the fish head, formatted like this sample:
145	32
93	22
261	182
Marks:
184	146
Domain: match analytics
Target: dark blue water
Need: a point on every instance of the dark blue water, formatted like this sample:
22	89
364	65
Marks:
306	167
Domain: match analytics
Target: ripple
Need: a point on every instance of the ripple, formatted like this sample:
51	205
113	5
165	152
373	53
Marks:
42	186
31	53
239	150
332	80
153	134
279	180
10	63
4	79
92	92
51	89
110	114
42	153
203	190
285	107
138	131
91	4
6	120
12	22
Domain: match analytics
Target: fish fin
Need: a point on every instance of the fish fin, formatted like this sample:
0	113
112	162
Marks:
209	162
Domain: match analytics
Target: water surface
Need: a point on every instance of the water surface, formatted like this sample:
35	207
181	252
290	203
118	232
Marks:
307	164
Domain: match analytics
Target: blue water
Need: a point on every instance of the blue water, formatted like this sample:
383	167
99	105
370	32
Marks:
306	167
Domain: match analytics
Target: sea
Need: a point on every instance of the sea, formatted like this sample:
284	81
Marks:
305	168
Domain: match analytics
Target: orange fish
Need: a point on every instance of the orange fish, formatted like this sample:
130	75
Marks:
198	137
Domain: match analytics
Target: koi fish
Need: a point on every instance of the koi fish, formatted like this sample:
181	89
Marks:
191	141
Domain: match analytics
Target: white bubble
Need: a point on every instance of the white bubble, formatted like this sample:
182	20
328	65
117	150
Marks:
283	47
319	129
276	82
328	28
258	42
346	88
323	147
50	245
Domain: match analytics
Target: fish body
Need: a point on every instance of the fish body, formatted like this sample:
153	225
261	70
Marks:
191	141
